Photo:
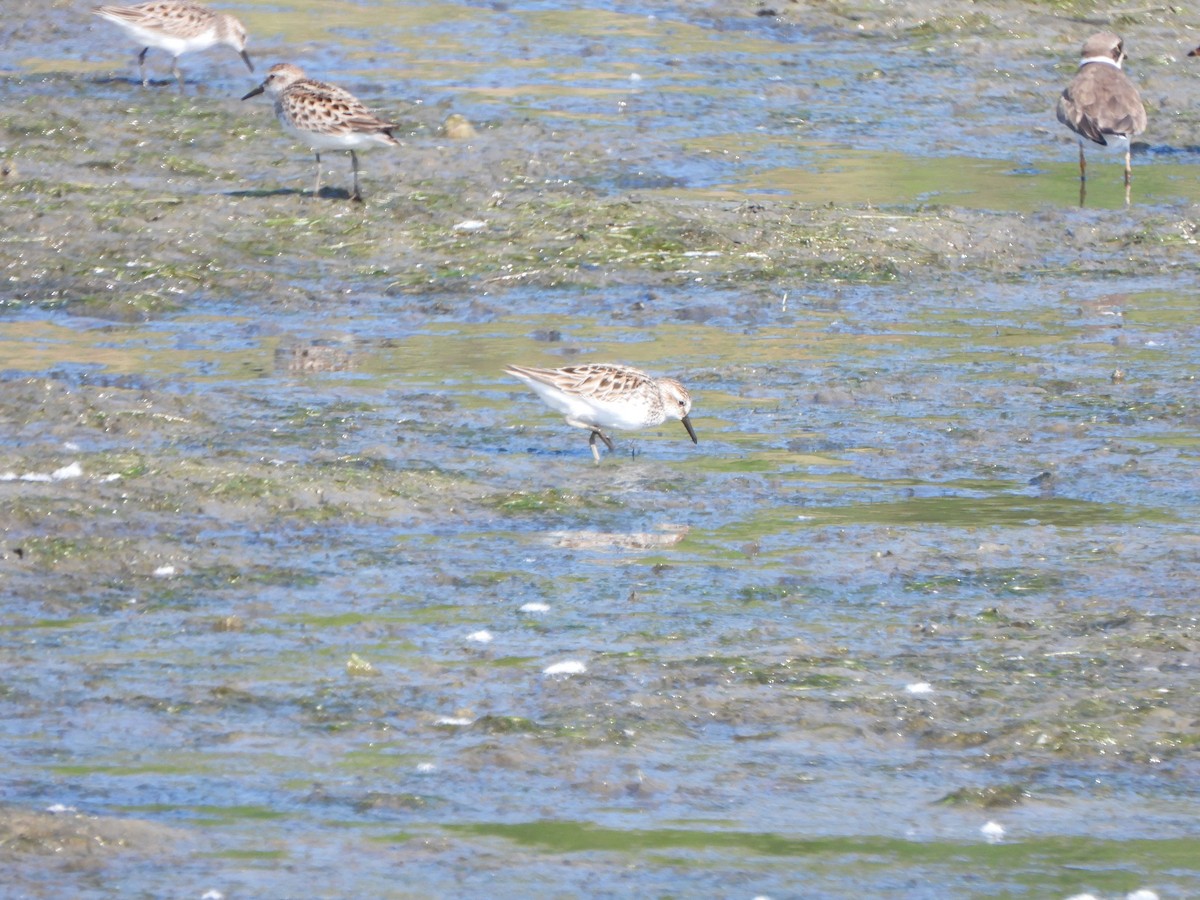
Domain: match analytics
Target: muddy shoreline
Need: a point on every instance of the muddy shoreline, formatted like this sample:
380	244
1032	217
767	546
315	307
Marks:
942	445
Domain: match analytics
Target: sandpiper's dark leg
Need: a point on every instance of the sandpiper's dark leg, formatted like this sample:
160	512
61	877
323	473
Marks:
317	186
357	195
178	74
1082	164
142	66
597	433
1128	169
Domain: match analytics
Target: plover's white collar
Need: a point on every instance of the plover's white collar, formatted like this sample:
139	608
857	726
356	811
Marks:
1107	60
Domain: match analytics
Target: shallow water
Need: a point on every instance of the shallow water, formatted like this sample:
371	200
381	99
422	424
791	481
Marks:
933	563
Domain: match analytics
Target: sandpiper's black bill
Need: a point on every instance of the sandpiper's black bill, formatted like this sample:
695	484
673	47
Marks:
687	423
246	57
254	93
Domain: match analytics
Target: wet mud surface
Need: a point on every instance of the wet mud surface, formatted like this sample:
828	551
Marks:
285	558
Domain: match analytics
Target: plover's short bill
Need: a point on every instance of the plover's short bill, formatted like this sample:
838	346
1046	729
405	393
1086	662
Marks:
178	27
1101	104
323	116
598	396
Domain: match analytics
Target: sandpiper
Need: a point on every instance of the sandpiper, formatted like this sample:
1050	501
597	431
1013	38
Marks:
598	396
323	116
177	26
1101	104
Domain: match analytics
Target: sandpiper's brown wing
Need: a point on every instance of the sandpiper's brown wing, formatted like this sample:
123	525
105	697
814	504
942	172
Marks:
320	106
602	382
176	19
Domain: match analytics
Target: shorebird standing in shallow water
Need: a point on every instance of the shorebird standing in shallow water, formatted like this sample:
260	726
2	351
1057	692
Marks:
177	26
323	116
1101	104
598	396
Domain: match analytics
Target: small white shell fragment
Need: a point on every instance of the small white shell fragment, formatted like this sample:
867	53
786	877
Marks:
535	607
483	636
452	720
470	225
993	831
357	665
919	687
569	667
164	571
